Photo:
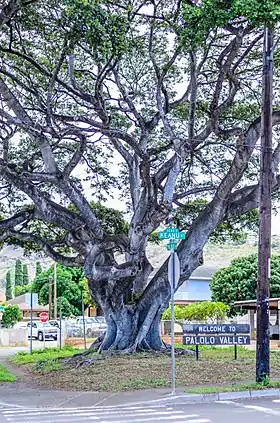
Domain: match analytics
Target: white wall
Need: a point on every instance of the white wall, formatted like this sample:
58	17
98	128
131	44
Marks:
13	337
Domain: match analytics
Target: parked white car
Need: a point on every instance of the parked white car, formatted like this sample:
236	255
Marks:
92	325
42	331
101	319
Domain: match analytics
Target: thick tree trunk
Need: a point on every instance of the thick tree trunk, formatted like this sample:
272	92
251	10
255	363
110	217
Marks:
132	328
134	320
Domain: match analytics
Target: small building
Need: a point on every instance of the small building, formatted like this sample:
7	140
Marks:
197	287
251	316
24	304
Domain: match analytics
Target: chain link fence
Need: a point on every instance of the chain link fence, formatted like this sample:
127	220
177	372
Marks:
83	331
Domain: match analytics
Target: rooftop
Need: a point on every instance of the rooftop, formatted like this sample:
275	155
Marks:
252	304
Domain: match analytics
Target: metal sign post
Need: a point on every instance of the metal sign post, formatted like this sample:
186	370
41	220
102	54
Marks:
44	336
60	322
172	325
31	321
173	277
44	317
84	323
174	235
278	317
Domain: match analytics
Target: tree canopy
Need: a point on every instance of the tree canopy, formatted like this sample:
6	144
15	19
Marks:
70	285
38	268
239	281
156	102
25	276
18	273
11	315
9	286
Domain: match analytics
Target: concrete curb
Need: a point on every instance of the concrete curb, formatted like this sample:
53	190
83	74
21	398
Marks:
221	396
180	399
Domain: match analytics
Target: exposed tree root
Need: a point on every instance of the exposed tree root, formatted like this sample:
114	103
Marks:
89	361
95	346
87	358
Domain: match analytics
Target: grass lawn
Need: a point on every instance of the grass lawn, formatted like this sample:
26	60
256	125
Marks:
216	366
44	355
6	375
237	387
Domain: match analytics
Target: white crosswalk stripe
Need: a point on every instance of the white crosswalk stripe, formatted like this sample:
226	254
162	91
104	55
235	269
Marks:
112	414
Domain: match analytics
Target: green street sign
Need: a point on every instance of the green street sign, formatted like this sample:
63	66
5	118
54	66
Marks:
172	233
174	236
172	245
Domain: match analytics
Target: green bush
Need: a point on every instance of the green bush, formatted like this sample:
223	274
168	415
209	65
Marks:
238	282
201	311
11	315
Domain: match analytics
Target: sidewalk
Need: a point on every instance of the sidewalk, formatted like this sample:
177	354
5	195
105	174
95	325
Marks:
20	395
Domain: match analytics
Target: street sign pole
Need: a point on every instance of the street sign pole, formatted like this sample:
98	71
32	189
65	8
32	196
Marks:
278	316
174	236
44	335
173	323
31	321
84	324
60	323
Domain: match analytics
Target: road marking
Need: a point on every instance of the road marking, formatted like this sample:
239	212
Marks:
8	405
156	402
100	415
47	417
276	400
262	409
253	407
199	421
225	402
182	418
38	411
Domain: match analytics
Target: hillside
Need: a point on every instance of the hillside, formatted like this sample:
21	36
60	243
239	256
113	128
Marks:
8	257
215	256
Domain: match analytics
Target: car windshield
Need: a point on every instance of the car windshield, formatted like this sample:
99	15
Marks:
90	320
101	319
46	325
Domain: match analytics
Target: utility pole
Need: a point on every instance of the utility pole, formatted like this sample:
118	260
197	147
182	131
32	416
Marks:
54	293
50	297
262	350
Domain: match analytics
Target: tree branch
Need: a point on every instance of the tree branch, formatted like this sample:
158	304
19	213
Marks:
17	219
46	247
13	103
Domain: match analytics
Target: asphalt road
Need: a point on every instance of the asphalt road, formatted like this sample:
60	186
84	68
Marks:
254	411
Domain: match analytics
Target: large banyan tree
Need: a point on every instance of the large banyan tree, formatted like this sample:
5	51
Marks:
167	92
